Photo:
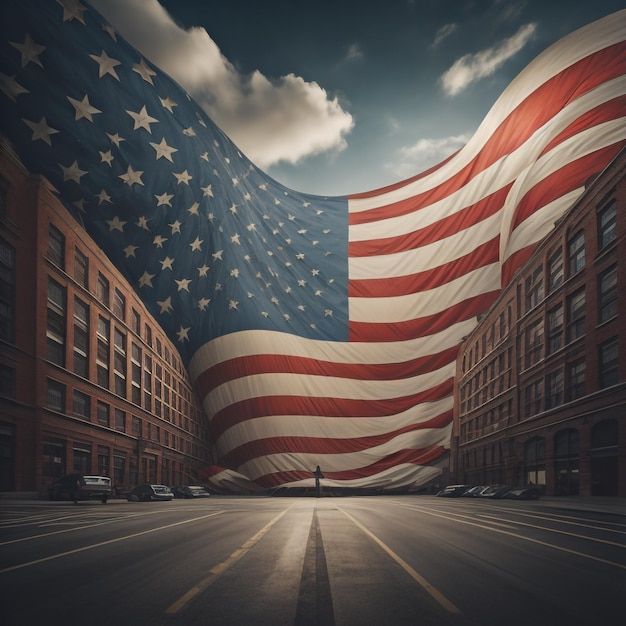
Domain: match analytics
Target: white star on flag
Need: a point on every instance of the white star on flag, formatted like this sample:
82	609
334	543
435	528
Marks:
144	71
29	50
196	244
175	226
115	138
183	333
166	305
83	108
168	104
158	241
142	119
73	172
203	303
145	280
163	150
183	284
103	196
10	87
182	177
166	263
203	270
130	250
164	198
132	177
193	209
106	65
208	191
116	224
106	157
41	130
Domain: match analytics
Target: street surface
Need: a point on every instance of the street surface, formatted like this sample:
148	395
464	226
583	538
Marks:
394	560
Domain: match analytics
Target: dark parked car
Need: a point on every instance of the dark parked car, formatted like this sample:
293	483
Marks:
474	492
495	491
524	493
79	487
146	493
190	491
453	491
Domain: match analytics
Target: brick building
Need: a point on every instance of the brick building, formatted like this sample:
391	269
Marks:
88	380
540	394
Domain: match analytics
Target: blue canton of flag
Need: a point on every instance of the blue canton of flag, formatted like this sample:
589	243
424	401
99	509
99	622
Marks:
211	243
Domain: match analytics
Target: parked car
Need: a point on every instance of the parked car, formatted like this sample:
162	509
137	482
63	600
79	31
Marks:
453	491
474	492
495	491
147	493
190	491
77	487
523	493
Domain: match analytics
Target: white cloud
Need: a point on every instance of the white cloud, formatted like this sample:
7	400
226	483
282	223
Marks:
425	153
443	33
472	67
271	120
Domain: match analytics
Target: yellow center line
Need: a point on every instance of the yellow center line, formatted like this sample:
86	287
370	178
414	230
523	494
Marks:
220	568
418	578
104	543
518	536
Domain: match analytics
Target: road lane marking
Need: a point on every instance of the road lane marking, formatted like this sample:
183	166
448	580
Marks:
104	543
128	516
562	521
518	536
418	578
499	524
563	532
220	568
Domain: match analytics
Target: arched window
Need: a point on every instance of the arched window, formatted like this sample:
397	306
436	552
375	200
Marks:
566	461
535	461
604	459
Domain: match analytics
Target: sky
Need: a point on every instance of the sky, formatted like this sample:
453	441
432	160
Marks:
339	97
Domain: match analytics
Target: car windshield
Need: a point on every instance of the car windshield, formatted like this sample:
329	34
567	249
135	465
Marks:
160	489
195	488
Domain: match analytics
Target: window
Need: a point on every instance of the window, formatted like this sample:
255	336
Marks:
82	457
555	329
535	461
576	376
56	396
534	288
120	420
609	363
607	294
148	335
81	338
56	246
607	225
119	466
103	461
136	426
81	405
104	414
119	362
135	321
119	304
566	462
534	343
554	389
532	398
136	373
55	332
81	268
576	315
102	356
576	247
7	381
555	270
7	291
102	291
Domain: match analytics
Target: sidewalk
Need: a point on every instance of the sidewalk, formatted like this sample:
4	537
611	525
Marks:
615	506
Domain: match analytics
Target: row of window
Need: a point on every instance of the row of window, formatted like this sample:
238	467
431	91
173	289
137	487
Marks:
546	393
112	299
497	333
606	234
82	408
494	378
488	422
132	380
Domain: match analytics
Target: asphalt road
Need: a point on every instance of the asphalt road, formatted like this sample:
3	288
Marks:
305	561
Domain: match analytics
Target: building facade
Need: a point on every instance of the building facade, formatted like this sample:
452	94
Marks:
540	392
88	380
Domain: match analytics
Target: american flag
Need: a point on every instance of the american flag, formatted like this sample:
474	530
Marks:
318	331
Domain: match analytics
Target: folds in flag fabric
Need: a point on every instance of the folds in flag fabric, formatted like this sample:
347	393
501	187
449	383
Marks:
318	331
